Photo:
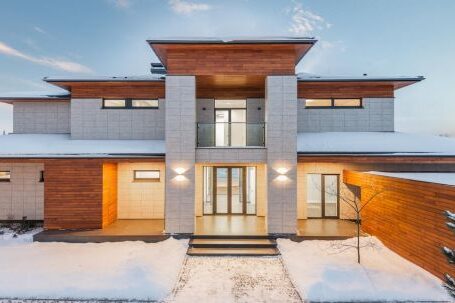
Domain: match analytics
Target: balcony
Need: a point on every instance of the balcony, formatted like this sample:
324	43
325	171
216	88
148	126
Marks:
230	134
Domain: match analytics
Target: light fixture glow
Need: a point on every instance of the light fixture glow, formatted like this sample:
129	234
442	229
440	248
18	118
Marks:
282	170
179	170
281	178
180	178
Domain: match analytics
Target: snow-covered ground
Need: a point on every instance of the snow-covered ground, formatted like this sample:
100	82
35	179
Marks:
326	271
234	279
126	270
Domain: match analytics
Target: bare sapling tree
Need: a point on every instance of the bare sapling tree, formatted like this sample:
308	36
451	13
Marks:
357	202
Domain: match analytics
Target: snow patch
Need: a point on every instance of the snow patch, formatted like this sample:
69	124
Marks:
321	270
125	270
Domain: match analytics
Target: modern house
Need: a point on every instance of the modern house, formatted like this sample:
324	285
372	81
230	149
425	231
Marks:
222	137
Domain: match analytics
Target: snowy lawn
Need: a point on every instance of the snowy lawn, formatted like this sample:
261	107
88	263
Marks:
125	270
326	271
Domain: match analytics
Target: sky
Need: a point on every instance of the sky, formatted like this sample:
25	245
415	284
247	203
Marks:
107	38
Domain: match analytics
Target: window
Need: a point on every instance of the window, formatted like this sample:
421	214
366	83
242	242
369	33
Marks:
5	176
111	103
318	103
229	104
322	196
41	176
347	103
145	103
334	103
147	175
130	103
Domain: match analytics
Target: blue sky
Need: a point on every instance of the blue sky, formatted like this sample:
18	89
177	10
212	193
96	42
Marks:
107	37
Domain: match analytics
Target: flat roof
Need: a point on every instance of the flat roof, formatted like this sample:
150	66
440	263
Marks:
62	146
144	78
315	78
30	96
233	40
373	143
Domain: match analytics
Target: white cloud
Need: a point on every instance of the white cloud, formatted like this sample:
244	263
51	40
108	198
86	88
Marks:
65	65
40	30
122	3
187	7
305	22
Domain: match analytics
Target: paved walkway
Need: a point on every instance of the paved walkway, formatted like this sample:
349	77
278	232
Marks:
234	279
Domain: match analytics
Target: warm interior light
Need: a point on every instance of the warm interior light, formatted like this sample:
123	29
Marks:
179	170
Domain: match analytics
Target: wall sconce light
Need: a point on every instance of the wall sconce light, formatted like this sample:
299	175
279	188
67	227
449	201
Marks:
282	174
179	170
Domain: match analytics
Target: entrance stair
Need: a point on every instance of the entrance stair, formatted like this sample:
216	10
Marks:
208	245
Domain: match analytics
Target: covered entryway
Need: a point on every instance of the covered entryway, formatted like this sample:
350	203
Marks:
229	190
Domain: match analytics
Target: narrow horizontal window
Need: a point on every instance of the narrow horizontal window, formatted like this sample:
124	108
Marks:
318	103
41	176
347	102
145	103
147	175
5	176
114	103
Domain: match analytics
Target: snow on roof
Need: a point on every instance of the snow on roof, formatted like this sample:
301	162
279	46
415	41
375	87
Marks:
34	95
51	146
233	40
313	77
393	143
151	77
440	178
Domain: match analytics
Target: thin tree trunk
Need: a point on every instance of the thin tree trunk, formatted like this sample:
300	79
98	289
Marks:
358	238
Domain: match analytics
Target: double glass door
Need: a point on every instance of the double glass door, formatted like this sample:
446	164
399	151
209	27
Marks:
229	190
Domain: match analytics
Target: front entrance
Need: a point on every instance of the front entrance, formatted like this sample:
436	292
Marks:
229	190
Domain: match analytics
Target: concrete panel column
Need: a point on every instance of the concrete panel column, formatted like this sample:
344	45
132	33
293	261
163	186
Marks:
281	143
180	133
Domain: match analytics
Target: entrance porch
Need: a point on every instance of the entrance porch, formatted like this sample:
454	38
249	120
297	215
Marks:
231	225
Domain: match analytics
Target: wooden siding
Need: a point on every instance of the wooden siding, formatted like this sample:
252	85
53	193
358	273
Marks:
73	194
308	90
231	60
408	217
109	193
104	89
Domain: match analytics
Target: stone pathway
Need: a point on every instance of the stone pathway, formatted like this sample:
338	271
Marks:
234	279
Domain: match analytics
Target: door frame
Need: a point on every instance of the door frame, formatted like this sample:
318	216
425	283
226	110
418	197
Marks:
229	194
323	216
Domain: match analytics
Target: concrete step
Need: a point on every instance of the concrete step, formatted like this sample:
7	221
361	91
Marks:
233	243
231	237
253	252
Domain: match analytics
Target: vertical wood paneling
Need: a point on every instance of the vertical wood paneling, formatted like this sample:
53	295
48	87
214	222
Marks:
109	193
73	194
408	217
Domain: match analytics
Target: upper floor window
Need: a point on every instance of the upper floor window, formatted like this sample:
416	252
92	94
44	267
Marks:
5	176
147	175
334	103
130	103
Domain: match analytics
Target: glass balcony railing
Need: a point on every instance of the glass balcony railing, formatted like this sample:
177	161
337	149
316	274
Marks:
232	134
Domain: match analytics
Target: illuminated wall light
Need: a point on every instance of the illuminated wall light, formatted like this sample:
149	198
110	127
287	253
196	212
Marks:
179	170
180	178
282	178
282	170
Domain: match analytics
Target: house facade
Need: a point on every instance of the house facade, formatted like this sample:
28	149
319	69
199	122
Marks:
220	129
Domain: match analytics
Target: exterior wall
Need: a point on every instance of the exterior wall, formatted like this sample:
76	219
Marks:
73	191
231	155
347	190
45	117
109	193
24	195
281	143
180	155
376	115
408	217
140	199
255	109
90	121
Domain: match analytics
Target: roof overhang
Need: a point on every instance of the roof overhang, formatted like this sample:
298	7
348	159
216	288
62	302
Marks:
161	47
396	82
68	83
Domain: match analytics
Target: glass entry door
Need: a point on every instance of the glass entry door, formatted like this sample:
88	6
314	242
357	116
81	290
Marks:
322	196
229	191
